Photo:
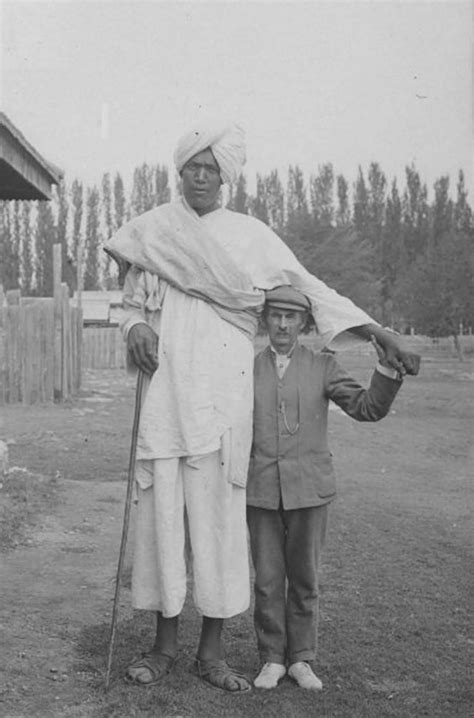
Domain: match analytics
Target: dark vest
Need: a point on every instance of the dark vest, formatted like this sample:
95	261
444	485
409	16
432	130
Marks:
290	453
290	456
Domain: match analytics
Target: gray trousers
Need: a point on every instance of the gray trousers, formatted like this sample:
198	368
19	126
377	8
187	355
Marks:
286	548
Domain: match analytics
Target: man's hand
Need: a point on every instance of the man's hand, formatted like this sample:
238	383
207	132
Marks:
382	357
142	345
395	354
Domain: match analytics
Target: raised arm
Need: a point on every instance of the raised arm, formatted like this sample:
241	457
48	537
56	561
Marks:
360	403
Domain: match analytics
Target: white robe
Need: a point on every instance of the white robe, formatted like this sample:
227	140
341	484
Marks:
200	399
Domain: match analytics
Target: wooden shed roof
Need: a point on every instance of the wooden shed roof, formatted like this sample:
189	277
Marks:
24	173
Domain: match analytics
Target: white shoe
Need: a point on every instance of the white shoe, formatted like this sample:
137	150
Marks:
269	676
302	673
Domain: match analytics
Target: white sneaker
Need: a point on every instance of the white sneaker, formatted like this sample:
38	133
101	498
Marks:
269	675
302	673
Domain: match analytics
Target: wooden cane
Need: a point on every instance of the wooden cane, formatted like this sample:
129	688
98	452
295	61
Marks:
126	520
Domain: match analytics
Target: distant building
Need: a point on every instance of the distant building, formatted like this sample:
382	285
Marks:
100	308
24	173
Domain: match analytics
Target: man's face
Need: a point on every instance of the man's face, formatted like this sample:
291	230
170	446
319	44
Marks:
202	182
283	326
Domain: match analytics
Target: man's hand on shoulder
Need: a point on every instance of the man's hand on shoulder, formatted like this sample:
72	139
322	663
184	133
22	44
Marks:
142	345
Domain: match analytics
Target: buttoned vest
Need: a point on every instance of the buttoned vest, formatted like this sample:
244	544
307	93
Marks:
290	455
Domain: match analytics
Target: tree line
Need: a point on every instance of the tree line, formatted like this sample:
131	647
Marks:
406	260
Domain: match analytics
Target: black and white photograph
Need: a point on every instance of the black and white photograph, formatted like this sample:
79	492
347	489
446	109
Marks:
236	358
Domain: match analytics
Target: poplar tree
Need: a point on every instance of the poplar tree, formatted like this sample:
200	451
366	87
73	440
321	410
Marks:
376	202
343	212
258	203
108	220
26	260
61	197
360	213
391	253
3	245
162	192
143	189
442	212
119	201
120	218
8	271
15	240
45	237
275	202
298	226
107	207
77	197
376	216
92	240
415	215
238	198
463	218
321	189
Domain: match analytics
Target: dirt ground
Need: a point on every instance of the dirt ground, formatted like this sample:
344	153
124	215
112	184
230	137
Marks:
396	587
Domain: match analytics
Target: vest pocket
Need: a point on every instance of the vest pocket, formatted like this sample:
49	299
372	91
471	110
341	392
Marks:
324	475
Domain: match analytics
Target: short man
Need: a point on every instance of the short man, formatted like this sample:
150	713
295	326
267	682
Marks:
196	281
291	481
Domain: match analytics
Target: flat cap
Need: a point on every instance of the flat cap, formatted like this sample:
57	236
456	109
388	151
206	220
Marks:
286	297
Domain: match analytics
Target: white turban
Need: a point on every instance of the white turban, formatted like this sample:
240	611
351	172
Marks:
226	141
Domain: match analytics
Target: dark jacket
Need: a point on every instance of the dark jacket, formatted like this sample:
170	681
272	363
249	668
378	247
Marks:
290	453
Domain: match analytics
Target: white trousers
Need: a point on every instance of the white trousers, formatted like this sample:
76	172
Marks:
218	535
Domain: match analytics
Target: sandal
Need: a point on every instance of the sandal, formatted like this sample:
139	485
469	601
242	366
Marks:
216	673
158	666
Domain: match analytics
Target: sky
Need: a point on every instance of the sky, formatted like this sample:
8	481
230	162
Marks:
105	86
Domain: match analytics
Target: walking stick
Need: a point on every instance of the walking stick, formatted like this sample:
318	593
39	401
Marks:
126	520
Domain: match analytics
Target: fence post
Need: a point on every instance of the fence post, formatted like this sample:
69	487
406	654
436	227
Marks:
66	366
57	295
79	340
14	342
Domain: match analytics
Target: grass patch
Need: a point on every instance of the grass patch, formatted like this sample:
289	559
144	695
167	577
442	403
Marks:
23	497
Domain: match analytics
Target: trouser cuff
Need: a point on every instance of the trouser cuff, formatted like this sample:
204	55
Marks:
308	656
273	658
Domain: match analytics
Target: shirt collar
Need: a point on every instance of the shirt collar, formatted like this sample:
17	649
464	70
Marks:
288	355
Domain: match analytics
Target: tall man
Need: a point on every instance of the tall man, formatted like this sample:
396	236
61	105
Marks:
193	295
291	481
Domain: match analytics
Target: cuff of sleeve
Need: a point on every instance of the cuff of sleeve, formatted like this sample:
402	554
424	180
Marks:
388	371
129	323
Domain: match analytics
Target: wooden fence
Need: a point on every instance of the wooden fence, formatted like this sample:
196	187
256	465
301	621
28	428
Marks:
40	348
102	348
